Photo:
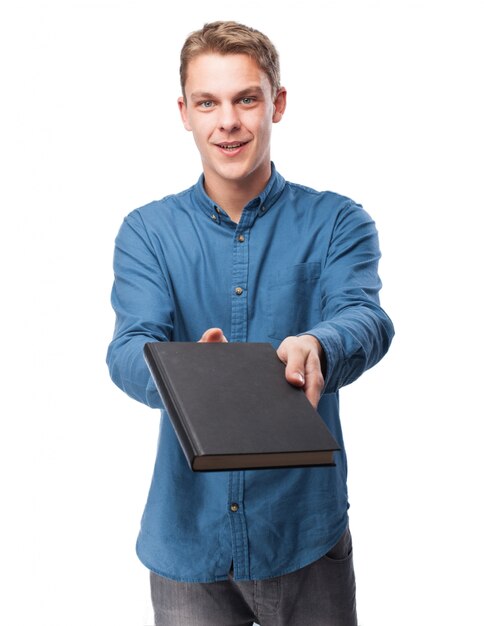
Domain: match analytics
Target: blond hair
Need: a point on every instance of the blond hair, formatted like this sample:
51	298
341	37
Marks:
232	38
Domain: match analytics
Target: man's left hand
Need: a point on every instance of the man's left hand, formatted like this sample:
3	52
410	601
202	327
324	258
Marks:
302	357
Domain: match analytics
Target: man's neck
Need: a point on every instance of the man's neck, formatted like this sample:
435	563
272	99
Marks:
233	196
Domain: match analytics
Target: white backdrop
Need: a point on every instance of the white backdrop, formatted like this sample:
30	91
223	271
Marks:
384	105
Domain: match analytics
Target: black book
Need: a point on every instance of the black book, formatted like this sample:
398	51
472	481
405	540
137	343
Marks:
232	408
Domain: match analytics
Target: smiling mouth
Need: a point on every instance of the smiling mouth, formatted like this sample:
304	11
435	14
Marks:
232	146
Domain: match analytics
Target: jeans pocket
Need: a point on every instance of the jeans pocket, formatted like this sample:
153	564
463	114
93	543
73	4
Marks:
342	551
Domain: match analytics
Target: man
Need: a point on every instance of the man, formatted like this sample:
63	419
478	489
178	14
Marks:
244	255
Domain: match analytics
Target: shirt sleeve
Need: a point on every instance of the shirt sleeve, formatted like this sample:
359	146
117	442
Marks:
142	301
354	332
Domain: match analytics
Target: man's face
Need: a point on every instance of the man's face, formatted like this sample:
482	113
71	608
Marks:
230	110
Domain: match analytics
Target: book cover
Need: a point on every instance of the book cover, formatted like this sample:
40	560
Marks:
232	408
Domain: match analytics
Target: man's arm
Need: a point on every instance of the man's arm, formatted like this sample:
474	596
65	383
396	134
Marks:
354	332
142	300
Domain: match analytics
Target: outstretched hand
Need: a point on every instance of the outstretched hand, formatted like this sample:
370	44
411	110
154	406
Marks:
302	357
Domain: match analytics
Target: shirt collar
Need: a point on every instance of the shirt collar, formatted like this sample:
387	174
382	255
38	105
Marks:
259	205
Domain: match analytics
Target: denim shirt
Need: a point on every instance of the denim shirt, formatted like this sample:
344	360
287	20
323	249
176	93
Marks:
298	262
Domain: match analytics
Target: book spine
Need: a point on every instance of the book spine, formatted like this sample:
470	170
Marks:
175	414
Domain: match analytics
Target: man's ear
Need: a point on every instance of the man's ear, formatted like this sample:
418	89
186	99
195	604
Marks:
279	105
182	107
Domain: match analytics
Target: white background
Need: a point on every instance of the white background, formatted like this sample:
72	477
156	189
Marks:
384	105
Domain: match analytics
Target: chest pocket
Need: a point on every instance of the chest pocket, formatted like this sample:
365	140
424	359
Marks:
294	302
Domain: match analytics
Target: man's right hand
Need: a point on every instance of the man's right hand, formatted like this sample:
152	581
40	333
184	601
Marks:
213	335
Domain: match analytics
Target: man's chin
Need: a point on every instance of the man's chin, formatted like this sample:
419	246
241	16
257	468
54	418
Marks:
241	172
233	173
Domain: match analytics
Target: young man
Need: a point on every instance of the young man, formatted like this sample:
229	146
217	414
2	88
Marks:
244	255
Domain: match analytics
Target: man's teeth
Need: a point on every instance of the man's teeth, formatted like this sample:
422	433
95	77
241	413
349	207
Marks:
231	147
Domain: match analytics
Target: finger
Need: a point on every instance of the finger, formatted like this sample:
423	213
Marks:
213	335
295	359
314	381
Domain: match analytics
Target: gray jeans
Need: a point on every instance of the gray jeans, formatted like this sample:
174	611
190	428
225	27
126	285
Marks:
320	594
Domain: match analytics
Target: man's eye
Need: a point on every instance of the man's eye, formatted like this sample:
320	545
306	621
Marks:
206	104
247	100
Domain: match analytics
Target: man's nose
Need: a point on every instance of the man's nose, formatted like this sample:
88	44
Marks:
228	118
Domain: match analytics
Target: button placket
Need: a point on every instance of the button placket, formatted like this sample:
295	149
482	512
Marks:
240	270
238	527
235	506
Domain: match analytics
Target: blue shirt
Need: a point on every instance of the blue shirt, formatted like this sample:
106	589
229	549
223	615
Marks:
299	261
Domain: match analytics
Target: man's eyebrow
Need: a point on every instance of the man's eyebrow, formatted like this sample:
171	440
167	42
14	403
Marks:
201	95
248	91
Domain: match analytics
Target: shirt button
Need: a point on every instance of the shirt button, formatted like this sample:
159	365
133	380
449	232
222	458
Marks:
214	217
241	238
239	291
234	507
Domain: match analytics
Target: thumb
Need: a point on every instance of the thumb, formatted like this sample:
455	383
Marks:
295	377
294	364
213	335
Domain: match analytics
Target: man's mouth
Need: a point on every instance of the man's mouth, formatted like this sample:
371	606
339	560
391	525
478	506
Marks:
232	145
